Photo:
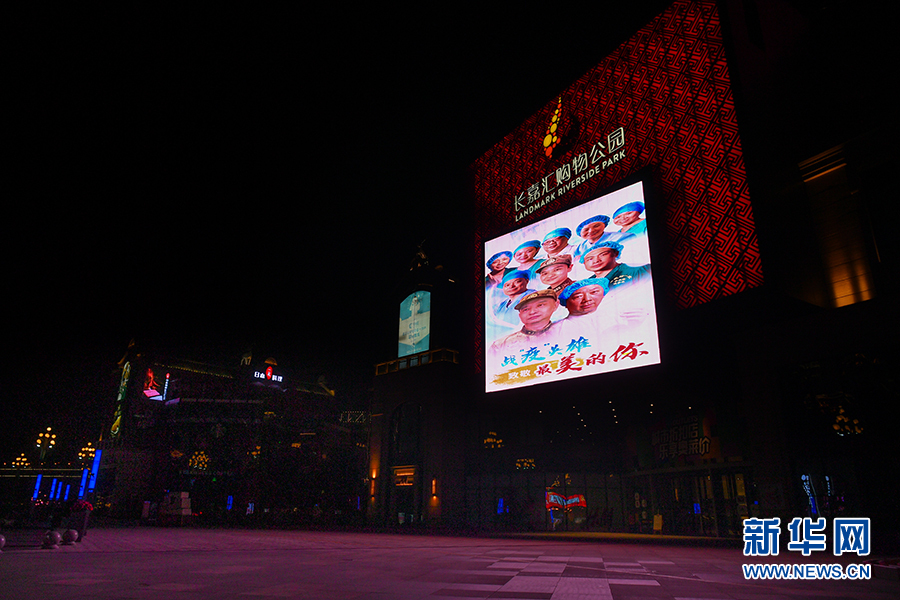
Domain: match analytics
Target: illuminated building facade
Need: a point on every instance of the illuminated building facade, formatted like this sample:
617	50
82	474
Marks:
248	441
764	170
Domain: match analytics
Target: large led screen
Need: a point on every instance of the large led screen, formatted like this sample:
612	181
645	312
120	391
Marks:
571	295
415	324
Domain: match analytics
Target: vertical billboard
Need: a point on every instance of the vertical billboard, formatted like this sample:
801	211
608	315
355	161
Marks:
571	295
116	427
415	324
661	102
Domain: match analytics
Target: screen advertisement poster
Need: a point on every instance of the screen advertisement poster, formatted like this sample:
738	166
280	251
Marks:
415	322
571	295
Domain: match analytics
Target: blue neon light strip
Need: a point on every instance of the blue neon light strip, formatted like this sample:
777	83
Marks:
37	487
95	468
84	475
66	497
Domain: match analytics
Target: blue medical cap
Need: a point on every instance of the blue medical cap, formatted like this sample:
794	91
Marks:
614	245
571	289
516	275
528	244
637	207
559	232
601	218
491	260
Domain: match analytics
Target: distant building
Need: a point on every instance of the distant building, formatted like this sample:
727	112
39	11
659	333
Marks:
244	441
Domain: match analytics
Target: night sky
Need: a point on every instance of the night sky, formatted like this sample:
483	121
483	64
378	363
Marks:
217	178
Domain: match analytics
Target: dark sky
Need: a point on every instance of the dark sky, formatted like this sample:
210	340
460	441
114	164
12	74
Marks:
217	177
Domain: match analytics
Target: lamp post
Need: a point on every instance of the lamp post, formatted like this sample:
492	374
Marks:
45	442
86	454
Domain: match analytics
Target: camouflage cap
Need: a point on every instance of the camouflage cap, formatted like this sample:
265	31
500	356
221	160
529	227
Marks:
535	296
565	259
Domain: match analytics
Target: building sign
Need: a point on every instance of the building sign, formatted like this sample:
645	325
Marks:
558	501
152	386
660	103
268	375
571	295
571	174
415	324
404	476
683	437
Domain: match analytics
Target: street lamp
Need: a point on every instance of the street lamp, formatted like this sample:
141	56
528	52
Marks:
46	441
86	454
21	462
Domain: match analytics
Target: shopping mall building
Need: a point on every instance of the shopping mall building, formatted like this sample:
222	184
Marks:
741	358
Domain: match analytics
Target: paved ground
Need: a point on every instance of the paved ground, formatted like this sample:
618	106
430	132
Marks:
212	564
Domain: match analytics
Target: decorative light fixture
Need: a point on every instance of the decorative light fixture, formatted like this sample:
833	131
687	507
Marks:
86	454
199	461
46	441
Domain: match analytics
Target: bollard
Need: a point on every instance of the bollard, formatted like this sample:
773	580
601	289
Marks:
69	537
51	540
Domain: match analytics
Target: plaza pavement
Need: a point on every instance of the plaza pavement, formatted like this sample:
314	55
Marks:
173	563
